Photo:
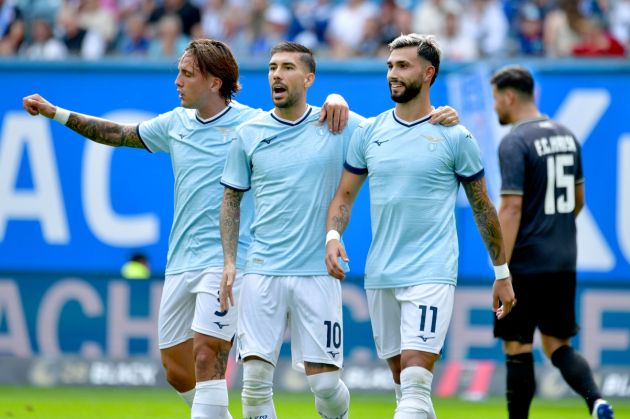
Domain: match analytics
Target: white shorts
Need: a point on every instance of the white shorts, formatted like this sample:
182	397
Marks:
309	306
410	318
190	303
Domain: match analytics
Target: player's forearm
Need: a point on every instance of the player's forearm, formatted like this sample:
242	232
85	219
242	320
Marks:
338	214
486	219
230	224
510	221
103	131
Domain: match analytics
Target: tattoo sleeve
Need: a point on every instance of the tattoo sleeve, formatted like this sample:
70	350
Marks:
486	219
103	131
340	217
230	223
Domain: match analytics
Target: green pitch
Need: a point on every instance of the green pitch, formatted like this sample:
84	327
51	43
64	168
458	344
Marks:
154	403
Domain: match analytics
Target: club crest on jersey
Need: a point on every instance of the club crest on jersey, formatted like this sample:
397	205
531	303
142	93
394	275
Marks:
433	141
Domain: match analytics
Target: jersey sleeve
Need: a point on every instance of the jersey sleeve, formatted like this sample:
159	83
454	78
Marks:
238	170
154	133
467	159
512	157
355	157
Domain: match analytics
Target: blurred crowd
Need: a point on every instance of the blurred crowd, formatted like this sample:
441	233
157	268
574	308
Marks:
466	29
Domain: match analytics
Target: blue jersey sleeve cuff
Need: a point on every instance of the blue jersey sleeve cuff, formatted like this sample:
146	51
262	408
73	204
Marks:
141	140
355	170
472	178
227	185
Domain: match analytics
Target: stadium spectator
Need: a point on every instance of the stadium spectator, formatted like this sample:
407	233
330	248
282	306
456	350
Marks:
188	13
596	41
347	25
169	40
195	337
310	21
137	267
486	23
98	19
430	16
456	46
80	42
561	29
620	22
43	44
542	193
411	269
530	22
12	28
134	40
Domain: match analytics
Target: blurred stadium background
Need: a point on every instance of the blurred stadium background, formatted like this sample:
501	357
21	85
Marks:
73	212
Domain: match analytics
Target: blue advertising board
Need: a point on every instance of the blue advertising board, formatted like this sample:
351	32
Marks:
94	317
69	205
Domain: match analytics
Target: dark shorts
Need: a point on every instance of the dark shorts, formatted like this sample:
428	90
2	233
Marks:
545	301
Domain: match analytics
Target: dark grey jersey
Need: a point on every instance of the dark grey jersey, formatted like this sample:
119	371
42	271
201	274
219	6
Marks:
541	161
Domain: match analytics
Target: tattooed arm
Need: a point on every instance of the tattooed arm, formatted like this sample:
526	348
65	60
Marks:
488	225
230	223
338	218
96	129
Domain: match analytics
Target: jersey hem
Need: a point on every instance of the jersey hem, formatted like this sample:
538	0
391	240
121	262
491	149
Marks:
285	273
448	281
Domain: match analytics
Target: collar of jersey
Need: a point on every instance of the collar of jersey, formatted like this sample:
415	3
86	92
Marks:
412	123
213	118
292	123
527	121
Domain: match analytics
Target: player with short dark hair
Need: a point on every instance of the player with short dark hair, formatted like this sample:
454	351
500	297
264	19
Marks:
415	171
195	335
542	193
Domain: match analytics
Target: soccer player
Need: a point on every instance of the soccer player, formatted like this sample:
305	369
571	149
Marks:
195	335
542	192
293	166
415	170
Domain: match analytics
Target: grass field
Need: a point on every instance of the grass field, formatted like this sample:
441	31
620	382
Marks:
158	403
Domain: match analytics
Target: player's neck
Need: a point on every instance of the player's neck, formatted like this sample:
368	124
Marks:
415	109
212	108
525	112
292	113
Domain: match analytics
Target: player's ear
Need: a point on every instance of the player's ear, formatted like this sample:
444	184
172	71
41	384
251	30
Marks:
215	84
309	79
428	74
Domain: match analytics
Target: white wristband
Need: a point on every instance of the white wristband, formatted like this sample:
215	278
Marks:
332	235
501	272
61	115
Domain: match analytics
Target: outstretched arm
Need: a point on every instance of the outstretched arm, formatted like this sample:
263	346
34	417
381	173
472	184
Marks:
230	223
337	221
490	230
96	129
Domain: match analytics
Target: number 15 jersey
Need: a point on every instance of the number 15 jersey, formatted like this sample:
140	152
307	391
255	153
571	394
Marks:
541	161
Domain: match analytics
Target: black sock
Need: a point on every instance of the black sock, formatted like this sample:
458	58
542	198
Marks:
521	384
577	374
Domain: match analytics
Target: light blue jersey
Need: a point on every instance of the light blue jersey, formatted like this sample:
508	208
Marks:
198	150
414	171
293	169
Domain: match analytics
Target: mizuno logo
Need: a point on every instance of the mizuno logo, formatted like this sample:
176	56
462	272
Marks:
425	338
221	325
333	354
379	142
269	140
181	136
